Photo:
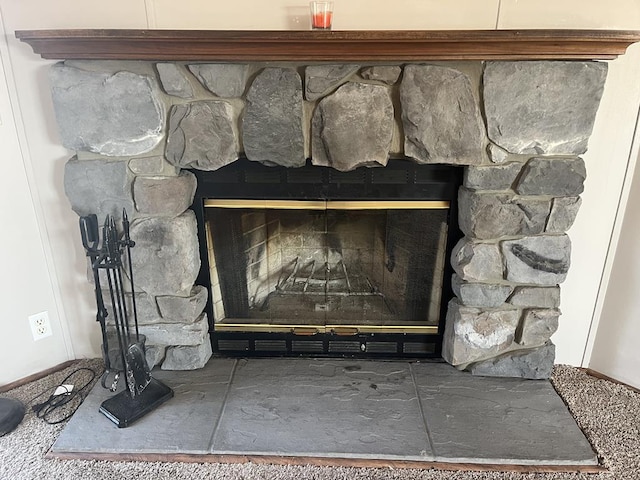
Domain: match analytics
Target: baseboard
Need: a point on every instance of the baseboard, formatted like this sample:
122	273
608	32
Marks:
323	462
602	376
35	376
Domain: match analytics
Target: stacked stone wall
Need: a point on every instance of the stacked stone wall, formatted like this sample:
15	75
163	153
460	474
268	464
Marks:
514	213
519	127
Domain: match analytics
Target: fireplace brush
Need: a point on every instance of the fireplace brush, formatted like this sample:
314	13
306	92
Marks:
142	393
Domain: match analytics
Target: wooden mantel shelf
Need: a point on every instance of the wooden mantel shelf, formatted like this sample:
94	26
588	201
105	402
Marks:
352	45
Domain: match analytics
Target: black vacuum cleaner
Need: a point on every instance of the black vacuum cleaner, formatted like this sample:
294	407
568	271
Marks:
11	414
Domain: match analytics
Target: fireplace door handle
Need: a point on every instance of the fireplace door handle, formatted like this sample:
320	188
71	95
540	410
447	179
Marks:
345	331
305	331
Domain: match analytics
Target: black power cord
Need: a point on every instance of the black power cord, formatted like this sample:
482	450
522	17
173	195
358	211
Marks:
58	408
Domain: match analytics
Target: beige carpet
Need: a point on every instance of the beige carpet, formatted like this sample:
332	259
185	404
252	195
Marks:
608	413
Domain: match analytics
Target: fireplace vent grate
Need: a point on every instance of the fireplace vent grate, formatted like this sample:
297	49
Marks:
222	176
233	345
418	348
354	177
329	344
307	346
268	177
382	347
389	176
432	176
271	346
304	176
344	347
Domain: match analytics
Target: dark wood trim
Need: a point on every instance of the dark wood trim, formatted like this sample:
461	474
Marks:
323	462
350	45
35	376
602	376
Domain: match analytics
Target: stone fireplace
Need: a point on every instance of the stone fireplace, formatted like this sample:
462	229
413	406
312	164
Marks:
145	131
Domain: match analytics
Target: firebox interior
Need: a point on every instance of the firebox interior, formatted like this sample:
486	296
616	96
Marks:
327	266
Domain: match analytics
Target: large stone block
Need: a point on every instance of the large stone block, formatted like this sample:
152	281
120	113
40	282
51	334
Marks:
272	124
99	186
559	177
187	358
226	80
473	334
542	106
171	334
154	354
164	196
353	127
537	326
480	294
146	308
563	213
440	115
183	309
388	74
540	297
113	115
166	258
477	262
319	80
494	215
535	364
492	177
540	260
174	80
201	135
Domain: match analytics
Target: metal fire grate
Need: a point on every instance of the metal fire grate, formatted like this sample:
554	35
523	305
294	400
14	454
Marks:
322	277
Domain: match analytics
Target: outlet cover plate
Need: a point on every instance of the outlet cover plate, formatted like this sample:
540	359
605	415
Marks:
40	325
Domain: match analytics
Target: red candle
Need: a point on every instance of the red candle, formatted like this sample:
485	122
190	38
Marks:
322	20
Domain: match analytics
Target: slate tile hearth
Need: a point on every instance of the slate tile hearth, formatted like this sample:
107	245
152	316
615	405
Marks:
337	409
326	408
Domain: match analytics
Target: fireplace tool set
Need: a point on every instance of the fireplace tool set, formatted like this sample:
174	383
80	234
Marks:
142	393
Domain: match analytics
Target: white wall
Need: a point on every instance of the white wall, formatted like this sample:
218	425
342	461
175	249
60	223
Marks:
56	225
26	286
616	349
606	162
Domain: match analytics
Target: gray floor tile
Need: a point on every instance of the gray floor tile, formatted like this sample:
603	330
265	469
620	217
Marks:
184	424
323	407
498	420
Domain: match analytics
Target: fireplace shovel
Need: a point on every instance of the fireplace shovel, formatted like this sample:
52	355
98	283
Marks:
143	393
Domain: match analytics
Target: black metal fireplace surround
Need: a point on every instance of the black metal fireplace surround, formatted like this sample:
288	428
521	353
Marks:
401	182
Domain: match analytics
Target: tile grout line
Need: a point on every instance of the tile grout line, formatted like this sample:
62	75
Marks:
224	406
424	418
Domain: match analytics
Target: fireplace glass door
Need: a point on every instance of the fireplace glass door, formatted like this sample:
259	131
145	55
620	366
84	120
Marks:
315	267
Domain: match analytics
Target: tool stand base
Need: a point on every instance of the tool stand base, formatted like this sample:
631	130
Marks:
123	410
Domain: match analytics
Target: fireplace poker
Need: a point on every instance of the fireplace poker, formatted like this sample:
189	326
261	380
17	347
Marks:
91	244
128	243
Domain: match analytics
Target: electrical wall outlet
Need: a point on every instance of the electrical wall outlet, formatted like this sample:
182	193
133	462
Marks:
40	325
